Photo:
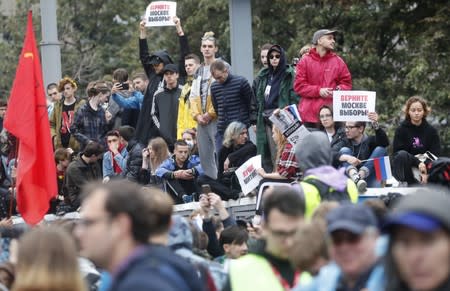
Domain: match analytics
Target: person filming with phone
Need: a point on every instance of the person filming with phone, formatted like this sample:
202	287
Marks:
122	95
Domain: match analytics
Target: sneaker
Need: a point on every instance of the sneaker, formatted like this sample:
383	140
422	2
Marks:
187	198
364	172
361	185
352	173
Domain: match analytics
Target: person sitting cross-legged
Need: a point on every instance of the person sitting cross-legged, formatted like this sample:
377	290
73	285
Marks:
181	171
359	149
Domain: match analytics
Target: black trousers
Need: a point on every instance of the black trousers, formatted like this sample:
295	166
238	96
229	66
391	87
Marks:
402	167
224	191
178	187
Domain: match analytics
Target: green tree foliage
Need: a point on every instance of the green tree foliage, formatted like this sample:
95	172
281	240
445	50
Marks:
397	48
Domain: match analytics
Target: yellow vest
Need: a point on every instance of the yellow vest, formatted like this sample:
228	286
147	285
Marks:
254	272
185	120
313	199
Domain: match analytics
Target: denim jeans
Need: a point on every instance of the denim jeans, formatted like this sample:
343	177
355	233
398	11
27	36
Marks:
376	153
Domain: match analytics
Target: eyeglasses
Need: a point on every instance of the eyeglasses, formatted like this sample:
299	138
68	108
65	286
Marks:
348	127
325	116
345	237
274	57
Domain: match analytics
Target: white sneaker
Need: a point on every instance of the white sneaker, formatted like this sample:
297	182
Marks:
361	185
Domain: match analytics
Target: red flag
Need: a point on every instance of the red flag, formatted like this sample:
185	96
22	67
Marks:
26	118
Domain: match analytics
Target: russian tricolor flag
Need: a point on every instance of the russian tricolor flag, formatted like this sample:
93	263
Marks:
382	167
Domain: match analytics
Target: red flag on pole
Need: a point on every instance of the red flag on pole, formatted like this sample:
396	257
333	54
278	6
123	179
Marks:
26	118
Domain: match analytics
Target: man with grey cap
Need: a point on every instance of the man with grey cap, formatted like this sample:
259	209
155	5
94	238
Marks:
319	73
352	233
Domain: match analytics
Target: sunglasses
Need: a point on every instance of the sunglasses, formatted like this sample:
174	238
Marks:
274	57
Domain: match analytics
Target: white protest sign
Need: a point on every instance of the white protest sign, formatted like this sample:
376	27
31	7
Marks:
353	105
247	175
160	13
288	121
296	133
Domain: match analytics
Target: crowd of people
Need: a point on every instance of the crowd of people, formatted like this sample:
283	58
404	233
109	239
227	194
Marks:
176	133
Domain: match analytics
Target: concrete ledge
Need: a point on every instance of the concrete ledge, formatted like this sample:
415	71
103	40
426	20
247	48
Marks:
240	208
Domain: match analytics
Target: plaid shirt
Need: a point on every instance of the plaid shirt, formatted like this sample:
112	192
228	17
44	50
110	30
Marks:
89	125
287	165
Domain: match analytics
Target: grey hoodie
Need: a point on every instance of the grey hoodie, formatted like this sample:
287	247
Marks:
314	157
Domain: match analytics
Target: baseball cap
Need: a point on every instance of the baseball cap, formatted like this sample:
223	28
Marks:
415	220
353	218
425	210
318	34
170	68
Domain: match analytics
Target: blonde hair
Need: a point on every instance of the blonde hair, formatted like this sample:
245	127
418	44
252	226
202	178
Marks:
304	50
47	260
160	150
282	141
209	35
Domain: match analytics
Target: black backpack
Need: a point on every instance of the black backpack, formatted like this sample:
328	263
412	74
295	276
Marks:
326	192
439	171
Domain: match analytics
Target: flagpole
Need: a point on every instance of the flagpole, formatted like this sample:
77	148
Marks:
367	160
13	179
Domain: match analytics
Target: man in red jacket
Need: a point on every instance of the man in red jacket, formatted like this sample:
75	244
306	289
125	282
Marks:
319	73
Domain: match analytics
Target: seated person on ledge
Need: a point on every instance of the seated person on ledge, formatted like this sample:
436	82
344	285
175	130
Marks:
181	171
236	150
358	150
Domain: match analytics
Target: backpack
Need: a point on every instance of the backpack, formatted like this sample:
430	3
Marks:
439	171
326	192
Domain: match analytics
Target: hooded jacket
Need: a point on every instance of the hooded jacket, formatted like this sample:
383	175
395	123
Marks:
145	128
314	157
281	94
314	73
417	139
165	113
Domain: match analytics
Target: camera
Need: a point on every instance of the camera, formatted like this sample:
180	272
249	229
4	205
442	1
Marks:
125	86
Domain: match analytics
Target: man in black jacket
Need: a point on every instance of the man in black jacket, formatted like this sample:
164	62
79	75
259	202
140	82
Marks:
165	108
233	99
117	221
153	65
134	148
83	169
358	151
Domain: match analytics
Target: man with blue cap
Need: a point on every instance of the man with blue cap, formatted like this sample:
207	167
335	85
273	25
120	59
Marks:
352	233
